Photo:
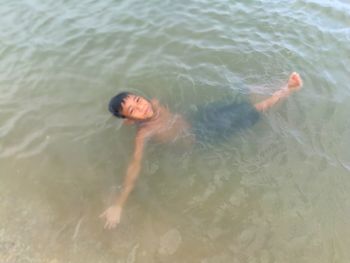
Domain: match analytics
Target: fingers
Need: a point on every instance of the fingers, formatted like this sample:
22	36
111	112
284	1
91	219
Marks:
111	222
110	225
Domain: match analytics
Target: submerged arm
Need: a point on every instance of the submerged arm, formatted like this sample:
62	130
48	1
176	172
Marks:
113	213
132	172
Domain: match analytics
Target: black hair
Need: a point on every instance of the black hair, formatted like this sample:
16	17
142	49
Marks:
115	104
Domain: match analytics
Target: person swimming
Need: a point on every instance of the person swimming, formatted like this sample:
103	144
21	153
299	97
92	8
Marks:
155	121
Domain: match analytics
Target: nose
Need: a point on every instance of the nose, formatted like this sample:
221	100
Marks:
140	107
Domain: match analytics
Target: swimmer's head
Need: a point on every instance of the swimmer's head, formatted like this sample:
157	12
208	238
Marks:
130	106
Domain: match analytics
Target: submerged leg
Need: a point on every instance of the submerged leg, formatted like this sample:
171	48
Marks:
294	84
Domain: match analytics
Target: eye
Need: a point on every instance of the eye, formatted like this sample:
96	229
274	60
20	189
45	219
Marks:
138	100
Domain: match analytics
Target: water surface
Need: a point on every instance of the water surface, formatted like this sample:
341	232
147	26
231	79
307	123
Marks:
276	193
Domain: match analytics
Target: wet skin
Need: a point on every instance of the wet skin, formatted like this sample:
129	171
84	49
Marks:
157	122
152	121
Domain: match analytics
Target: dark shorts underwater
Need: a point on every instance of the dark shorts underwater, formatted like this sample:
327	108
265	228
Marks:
218	121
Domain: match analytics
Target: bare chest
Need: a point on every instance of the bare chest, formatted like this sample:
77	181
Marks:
167	127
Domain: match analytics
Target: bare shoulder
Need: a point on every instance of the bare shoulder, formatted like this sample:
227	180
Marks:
144	133
141	134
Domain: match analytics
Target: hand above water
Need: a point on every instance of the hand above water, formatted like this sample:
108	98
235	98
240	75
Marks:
112	216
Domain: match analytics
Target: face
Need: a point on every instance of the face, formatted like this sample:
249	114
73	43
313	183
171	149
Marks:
137	108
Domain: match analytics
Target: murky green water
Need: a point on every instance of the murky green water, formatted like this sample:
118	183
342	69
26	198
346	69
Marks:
276	193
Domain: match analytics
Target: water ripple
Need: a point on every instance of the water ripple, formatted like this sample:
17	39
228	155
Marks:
279	187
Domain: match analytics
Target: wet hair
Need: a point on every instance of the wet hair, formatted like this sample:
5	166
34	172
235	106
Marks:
115	104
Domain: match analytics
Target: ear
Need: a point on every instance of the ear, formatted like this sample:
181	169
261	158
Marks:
128	122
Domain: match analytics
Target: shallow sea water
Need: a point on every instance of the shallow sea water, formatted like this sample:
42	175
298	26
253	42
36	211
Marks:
278	192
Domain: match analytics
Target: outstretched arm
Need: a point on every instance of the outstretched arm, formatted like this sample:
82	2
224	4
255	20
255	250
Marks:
113	213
